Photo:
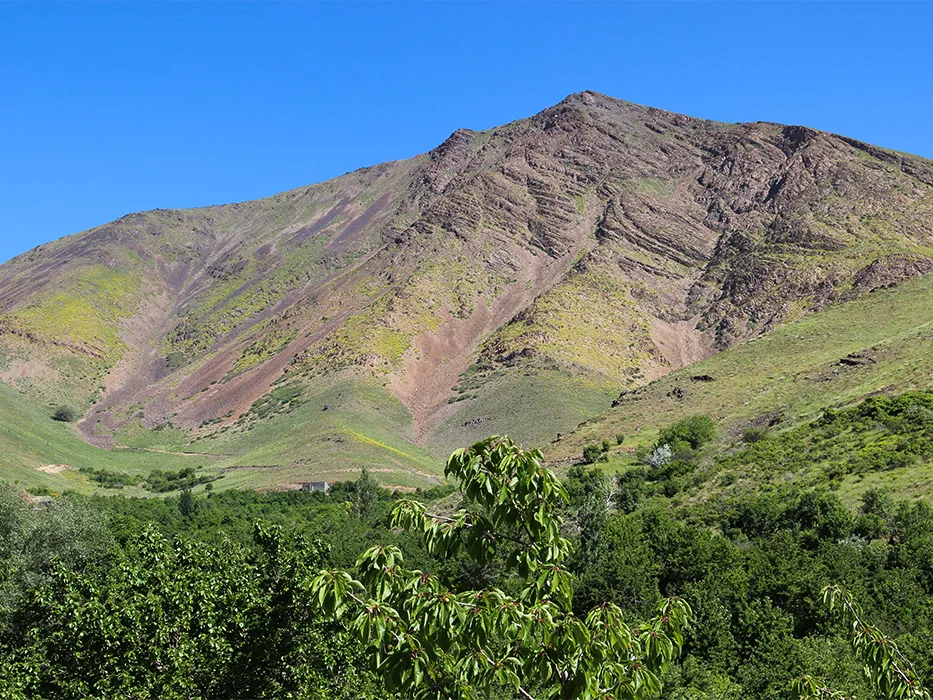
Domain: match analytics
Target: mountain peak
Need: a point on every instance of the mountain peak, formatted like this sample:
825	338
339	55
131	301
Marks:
591	98
548	263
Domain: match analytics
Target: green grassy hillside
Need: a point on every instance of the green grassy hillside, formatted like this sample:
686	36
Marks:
880	344
40	453
779	383
529	406
327	434
335	427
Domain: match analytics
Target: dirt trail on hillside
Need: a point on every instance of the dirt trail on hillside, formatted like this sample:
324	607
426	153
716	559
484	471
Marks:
171	452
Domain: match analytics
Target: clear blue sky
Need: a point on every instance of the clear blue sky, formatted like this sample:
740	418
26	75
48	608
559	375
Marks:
107	109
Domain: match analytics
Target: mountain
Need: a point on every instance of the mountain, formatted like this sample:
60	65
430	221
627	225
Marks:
513	280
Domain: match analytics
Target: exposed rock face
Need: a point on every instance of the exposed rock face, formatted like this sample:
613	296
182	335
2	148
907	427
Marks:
598	237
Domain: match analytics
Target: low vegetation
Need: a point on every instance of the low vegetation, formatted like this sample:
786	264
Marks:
156	481
65	414
280	400
785	380
881	434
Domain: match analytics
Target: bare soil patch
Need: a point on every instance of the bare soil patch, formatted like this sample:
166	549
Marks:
53	468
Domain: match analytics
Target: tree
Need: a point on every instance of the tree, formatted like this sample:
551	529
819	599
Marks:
187	503
33	543
365	495
432	641
590	496
877	501
660	456
14	519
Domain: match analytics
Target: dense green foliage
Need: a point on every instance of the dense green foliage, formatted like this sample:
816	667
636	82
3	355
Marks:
157	481
365	495
889	672
131	611
592	453
694	431
752	569
433	641
213	596
182	619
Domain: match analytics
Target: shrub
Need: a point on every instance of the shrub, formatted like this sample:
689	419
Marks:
870	526
108	479
174	360
680	449
660	456
591	453
754	434
66	414
835	471
877	501
606	445
695	431
821	516
619	438
160	481
630	489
